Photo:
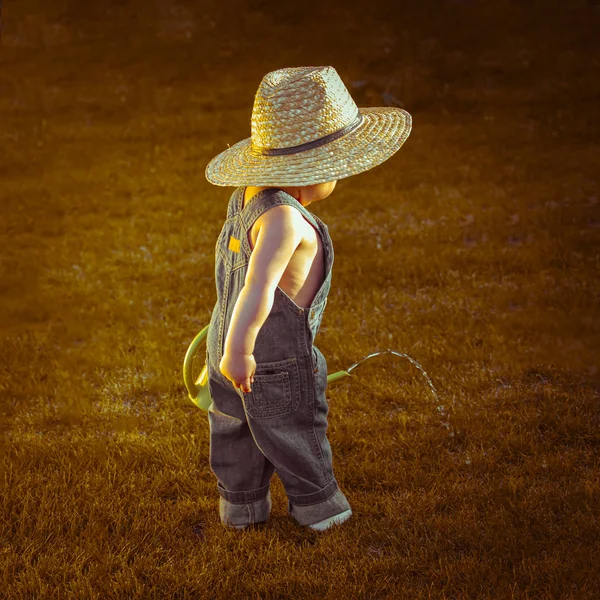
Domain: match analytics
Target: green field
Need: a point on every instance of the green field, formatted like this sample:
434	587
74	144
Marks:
475	250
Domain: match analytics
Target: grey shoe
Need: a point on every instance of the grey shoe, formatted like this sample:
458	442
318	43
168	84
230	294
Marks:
320	515
335	520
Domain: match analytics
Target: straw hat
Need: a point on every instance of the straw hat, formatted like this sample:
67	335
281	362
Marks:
306	129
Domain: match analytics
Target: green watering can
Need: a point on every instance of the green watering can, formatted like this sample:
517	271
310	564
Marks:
198	387
199	392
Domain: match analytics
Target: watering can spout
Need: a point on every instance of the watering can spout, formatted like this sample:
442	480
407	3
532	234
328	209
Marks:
338	375
198	388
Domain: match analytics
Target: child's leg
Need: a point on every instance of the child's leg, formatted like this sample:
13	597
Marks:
242	471
287	415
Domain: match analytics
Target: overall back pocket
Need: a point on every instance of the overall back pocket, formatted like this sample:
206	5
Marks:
275	391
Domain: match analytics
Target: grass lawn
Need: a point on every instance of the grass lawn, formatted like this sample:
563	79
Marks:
475	250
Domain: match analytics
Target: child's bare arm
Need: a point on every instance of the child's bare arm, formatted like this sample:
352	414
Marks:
279	236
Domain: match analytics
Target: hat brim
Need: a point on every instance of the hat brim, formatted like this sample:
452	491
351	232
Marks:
382	133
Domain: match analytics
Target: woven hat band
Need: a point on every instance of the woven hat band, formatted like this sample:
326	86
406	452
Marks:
314	143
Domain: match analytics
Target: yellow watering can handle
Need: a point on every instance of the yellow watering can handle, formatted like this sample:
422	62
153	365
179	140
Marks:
193	386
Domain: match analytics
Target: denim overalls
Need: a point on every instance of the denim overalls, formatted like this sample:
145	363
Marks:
281	424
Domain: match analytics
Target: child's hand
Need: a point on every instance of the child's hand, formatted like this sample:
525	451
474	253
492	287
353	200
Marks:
239	369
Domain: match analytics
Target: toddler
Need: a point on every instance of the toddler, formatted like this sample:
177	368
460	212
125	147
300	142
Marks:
273	266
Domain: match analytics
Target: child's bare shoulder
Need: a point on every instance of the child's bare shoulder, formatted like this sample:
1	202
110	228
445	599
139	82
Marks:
282	220
281	215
